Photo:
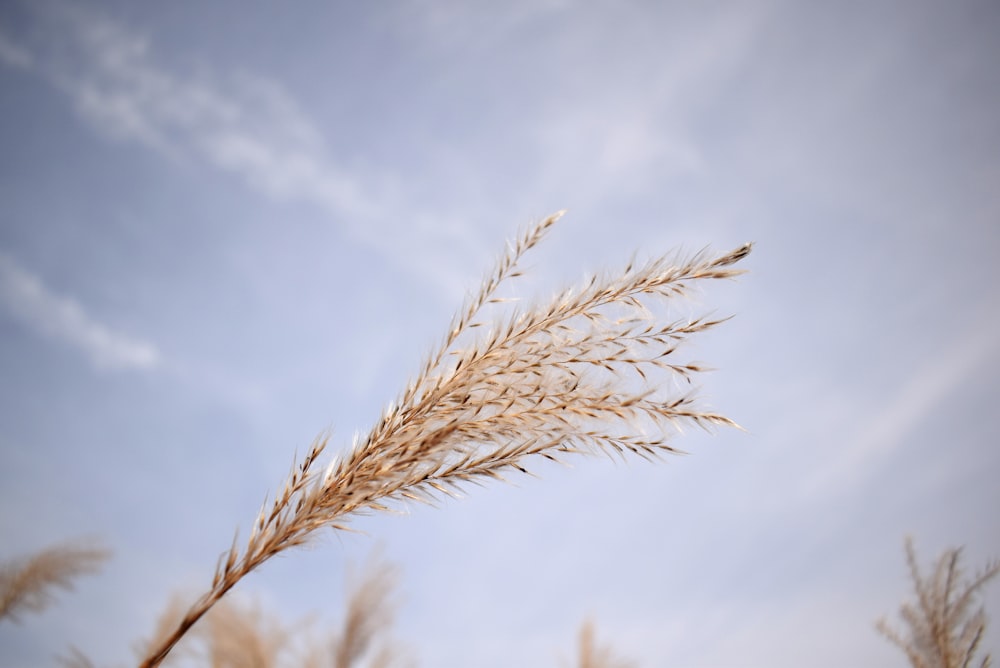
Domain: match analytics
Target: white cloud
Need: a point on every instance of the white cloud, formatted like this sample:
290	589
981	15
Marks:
239	123
641	128
245	124
64	319
459	24
14	55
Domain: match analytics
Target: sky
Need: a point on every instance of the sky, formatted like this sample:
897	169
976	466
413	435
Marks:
227	227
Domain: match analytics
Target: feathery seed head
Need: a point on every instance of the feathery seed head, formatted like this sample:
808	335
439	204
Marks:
590	371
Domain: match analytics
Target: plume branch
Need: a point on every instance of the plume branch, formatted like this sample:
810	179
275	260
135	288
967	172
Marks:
28	584
591	371
941	628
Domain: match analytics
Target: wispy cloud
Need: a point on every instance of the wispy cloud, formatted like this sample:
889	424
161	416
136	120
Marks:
241	123
448	23
245	125
641	130
63	319
12	54
887	430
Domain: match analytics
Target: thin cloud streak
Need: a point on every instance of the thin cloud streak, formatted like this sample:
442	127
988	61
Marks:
928	387
242	124
13	54
63	319
644	131
247	125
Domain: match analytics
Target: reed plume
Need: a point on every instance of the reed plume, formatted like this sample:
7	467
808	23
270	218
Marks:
590	371
942	629
27	584
366	624
237	633
241	635
592	655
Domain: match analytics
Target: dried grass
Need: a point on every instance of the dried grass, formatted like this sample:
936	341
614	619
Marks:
237	633
240	635
587	372
942	629
592	655
27	584
366	625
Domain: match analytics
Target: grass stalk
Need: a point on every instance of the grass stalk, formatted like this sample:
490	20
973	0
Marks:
589	372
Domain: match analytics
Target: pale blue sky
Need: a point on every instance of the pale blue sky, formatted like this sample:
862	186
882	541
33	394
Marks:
226	227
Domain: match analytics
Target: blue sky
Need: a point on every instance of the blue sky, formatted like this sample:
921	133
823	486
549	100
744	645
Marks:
226	227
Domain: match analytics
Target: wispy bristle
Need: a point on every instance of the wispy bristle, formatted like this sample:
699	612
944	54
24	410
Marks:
942	628
27	584
588	372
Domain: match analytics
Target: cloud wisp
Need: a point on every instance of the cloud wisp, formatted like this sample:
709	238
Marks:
13	55
63	319
245	125
237	123
887	430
